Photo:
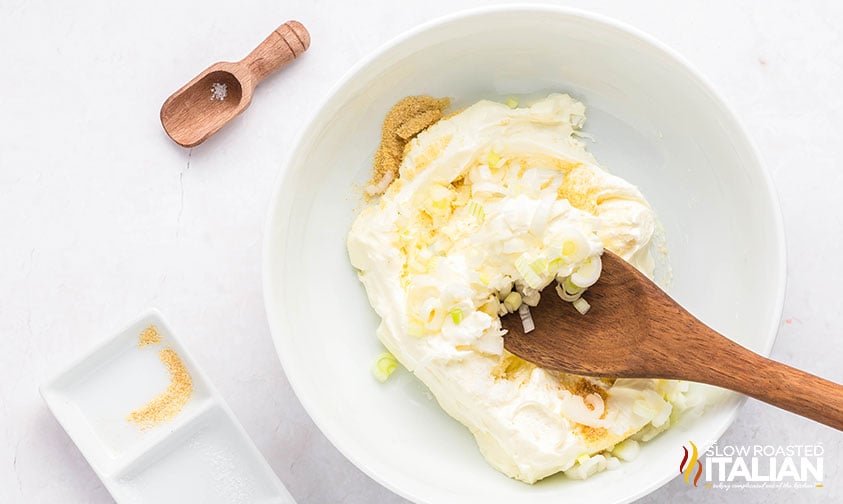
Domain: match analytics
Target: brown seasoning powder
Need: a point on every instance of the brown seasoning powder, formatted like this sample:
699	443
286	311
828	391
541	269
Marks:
149	336
169	403
592	434
405	120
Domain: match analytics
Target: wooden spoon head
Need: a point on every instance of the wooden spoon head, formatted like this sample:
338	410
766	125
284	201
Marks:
206	103
611	339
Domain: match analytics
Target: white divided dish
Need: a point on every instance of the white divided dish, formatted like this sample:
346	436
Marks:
201	454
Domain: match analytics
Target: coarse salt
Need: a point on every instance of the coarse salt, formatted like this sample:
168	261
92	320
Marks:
219	91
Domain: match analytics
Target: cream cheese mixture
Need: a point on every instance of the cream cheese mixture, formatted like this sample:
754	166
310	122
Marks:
494	200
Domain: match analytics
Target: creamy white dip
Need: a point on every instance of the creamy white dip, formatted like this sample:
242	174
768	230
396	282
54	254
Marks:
491	200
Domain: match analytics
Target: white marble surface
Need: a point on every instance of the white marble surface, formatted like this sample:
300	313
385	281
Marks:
102	216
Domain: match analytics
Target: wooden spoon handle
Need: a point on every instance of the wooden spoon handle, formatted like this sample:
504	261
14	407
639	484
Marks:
281	47
744	371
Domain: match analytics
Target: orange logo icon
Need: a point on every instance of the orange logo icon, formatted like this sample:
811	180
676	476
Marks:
686	467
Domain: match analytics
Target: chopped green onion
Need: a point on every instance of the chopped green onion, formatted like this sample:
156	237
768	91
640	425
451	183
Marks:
491	307
531	297
570	287
539	265
476	210
440	204
587	273
456	315
525	269
493	160
512	302
505	291
440	197
526	318
385	364
643	409
522	263
626	450
582	306
566	296
511	102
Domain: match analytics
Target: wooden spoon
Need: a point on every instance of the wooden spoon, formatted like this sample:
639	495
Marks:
635	330
217	95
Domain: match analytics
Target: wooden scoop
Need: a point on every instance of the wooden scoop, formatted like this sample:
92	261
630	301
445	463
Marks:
217	95
635	330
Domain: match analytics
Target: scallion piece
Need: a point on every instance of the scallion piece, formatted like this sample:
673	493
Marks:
476	210
493	160
385	364
456	315
526	318
582	306
512	301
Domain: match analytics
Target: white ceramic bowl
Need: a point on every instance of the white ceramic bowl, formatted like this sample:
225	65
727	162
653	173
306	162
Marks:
656	123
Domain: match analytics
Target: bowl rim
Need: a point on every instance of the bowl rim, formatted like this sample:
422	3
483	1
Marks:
284	175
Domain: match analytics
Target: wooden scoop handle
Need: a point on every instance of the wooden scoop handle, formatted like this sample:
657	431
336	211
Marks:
730	365
281	47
